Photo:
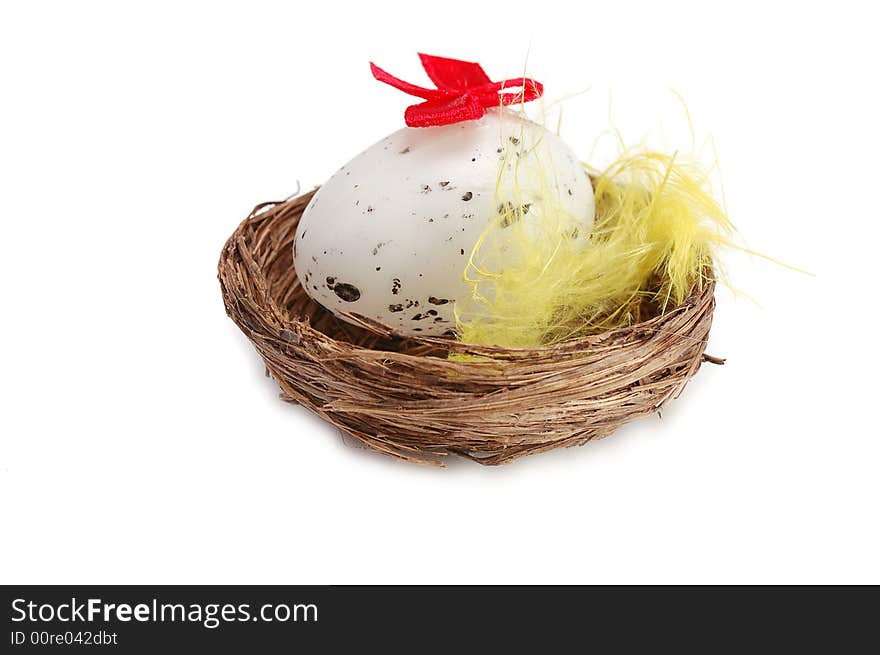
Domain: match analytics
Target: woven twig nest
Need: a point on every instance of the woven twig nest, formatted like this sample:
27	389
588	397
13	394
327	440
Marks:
405	397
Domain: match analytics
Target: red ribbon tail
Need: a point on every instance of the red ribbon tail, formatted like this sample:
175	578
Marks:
531	90
406	87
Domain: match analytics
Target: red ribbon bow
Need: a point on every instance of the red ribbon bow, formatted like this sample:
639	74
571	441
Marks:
463	92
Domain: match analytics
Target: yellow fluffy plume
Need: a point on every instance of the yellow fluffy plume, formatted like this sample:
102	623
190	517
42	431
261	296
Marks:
538	282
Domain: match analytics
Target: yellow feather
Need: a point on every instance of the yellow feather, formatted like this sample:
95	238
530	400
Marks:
534	282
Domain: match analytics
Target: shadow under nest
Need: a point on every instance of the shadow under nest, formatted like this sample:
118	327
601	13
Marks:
404	397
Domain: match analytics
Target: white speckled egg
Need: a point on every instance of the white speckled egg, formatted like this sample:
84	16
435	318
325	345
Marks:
390	234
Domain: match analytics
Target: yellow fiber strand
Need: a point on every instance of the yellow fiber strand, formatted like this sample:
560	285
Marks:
534	282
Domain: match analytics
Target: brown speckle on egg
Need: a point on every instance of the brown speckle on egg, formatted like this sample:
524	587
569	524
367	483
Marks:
347	292
437	301
395	286
510	213
395	308
467	196
405	150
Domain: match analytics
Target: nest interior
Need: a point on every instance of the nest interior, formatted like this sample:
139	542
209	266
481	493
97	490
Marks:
405	397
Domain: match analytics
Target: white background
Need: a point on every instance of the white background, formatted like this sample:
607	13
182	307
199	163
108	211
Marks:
142	443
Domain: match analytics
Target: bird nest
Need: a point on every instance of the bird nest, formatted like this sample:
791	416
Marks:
406	397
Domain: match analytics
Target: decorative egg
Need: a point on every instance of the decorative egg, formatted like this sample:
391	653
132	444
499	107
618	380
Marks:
389	236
